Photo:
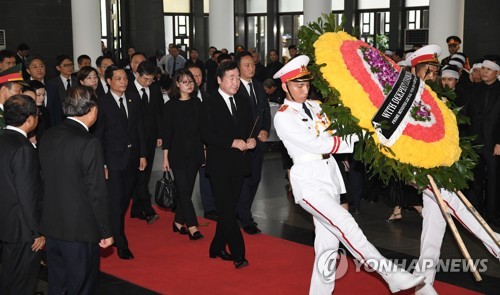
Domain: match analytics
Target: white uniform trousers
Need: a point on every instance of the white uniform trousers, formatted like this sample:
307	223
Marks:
434	228
333	224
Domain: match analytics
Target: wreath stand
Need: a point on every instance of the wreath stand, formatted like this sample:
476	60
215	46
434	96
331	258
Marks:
454	229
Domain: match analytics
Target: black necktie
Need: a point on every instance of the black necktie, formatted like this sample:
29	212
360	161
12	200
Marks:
144	98
252	94
68	86
173	67
308	112
122	108
233	107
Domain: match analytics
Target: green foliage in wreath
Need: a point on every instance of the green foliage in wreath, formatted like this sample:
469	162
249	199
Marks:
454	177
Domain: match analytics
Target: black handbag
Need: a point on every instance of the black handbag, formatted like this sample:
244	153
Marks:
166	192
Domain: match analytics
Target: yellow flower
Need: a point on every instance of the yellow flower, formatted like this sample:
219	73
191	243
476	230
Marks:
442	152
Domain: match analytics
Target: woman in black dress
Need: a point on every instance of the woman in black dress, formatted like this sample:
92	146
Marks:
183	148
43	113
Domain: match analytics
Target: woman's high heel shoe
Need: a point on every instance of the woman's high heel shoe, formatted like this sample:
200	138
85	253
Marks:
395	219
195	236
182	230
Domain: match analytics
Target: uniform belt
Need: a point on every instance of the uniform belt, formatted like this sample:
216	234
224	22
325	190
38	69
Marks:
310	158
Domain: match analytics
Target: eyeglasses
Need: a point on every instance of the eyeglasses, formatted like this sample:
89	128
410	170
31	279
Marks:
68	65
187	82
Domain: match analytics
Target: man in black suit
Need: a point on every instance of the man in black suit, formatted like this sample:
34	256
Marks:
20	200
135	60
152	105
120	128
64	81
102	64
22	53
252	90
36	70
75	218
484	113
229	124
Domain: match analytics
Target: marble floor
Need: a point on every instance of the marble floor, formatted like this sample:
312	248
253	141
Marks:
278	216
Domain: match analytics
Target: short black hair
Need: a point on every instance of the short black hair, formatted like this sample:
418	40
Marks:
99	60
292	46
81	58
108	73
6	54
240	55
226	66
78	101
138	53
146	68
193	49
399	52
222	57
18	108
35	84
269	83
61	58
31	58
23	46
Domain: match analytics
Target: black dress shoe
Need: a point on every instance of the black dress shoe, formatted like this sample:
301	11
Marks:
196	236
212	215
125	253
141	215
222	254
240	263
152	218
252	229
182	230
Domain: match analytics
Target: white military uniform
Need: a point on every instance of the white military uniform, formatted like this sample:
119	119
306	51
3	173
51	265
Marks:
317	185
434	224
434	228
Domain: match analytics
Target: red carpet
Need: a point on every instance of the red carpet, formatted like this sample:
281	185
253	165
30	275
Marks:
172	264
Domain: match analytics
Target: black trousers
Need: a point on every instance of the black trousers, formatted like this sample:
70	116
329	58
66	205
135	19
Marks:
121	184
227	190
185	178
250	186
73	267
20	268
485	185
141	201
206	192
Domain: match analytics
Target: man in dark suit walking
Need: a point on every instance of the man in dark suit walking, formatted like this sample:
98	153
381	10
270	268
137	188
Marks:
120	128
65	67
206	192
152	105
228	139
252	90
75	218
20	200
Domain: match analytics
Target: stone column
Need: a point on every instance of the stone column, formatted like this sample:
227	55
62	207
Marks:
221	24
446	18
86	25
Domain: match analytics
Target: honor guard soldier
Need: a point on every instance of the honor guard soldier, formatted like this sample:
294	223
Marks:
317	183
424	64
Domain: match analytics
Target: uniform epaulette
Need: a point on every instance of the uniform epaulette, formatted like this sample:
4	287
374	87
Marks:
283	108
